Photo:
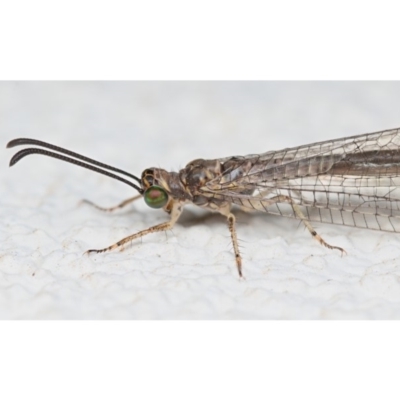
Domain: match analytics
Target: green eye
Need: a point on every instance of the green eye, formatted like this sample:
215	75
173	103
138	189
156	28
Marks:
155	197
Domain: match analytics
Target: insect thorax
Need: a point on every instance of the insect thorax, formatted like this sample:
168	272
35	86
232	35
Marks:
195	182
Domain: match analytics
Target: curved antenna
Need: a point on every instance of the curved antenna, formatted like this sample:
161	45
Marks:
26	152
24	141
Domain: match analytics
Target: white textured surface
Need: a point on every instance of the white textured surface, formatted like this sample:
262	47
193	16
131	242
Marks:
188	273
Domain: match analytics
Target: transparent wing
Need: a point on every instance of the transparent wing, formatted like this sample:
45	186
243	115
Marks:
353	181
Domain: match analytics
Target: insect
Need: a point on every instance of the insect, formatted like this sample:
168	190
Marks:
353	181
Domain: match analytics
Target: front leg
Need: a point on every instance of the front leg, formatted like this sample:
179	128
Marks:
110	209
176	211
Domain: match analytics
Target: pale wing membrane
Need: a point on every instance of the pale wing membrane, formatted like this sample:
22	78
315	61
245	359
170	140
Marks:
352	181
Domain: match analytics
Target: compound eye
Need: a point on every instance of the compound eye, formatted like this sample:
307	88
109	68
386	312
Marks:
155	197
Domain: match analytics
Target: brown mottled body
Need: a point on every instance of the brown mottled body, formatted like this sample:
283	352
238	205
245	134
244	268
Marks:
185	187
195	184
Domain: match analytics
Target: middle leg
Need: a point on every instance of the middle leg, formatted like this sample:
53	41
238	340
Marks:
232	229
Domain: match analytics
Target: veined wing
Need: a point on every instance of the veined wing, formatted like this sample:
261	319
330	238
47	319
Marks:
352	181
312	159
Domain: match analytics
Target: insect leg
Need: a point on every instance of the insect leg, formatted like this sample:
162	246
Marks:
175	213
232	229
302	217
118	206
